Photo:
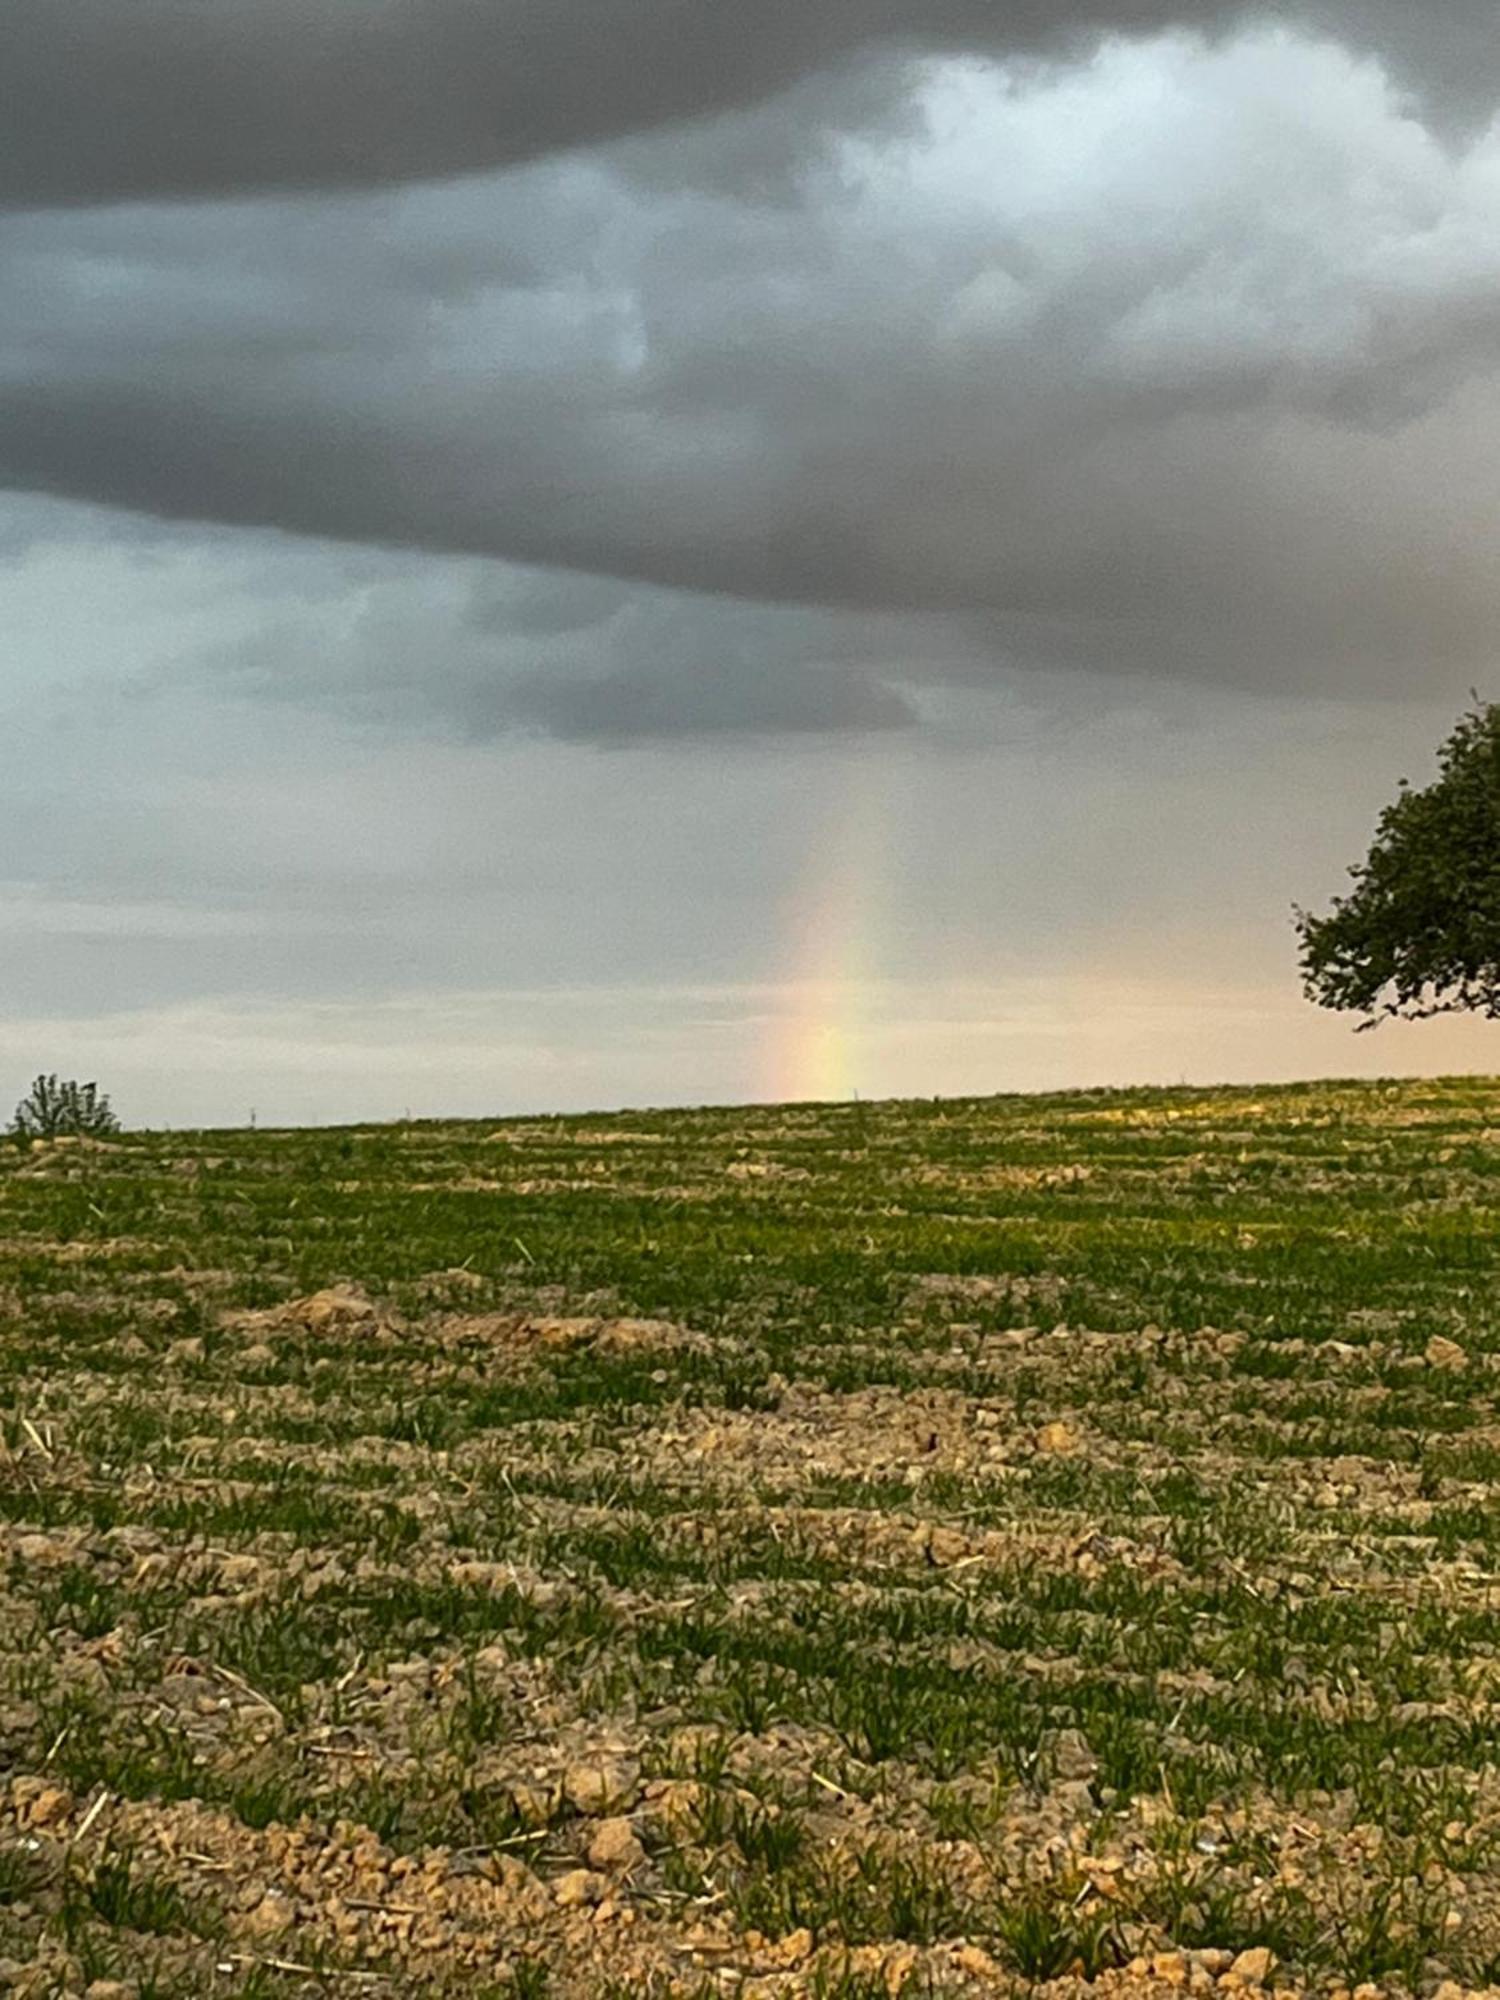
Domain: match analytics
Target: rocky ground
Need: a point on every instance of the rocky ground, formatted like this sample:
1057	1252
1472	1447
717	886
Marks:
930	1549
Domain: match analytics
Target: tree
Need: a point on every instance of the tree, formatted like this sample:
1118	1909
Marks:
52	1110
1419	934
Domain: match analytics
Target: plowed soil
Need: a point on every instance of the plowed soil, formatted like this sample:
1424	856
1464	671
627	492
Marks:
928	1549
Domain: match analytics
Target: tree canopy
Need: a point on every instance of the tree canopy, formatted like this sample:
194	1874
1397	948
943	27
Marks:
1419	934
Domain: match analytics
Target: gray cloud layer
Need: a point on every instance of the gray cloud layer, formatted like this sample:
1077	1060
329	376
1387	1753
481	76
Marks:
482	651
1181	358
112	99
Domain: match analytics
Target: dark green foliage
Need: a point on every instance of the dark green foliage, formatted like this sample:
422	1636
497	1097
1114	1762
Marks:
1045	1936
1419	934
529	1981
54	1110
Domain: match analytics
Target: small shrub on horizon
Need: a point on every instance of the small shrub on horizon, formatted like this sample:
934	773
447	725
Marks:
52	1109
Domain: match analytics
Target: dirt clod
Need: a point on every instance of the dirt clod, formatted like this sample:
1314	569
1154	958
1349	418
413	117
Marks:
615	1846
1255	1966
603	1787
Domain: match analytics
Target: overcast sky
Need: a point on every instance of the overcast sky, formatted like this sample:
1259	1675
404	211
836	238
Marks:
558	555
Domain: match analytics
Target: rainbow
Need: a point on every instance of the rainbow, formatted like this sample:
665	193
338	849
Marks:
818	1046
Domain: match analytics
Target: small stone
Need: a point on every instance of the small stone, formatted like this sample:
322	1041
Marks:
48	1806
941	1546
580	1888
533	1803
337	1309
895	1968
1444	1353
1073	1760
562	1334
43	1549
974	1958
1056	1440
111	1989
615	1845
1254	1967
795	1948
273	1914
1170	1967
602	1788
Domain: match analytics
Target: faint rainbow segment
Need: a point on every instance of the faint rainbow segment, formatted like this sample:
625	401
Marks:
818	1043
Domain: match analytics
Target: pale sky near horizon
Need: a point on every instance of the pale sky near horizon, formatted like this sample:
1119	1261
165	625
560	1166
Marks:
553	561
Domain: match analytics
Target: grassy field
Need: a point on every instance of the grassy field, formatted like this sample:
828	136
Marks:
930	1548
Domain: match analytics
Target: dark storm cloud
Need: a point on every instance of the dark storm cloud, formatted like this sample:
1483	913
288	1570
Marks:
1180	357
113	99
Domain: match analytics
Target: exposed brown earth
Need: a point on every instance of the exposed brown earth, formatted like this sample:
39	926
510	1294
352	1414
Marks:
971	1550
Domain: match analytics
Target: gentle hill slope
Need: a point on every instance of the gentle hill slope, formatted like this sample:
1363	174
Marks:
928	1547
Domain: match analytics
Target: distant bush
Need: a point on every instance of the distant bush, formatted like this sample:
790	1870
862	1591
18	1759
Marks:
54	1110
